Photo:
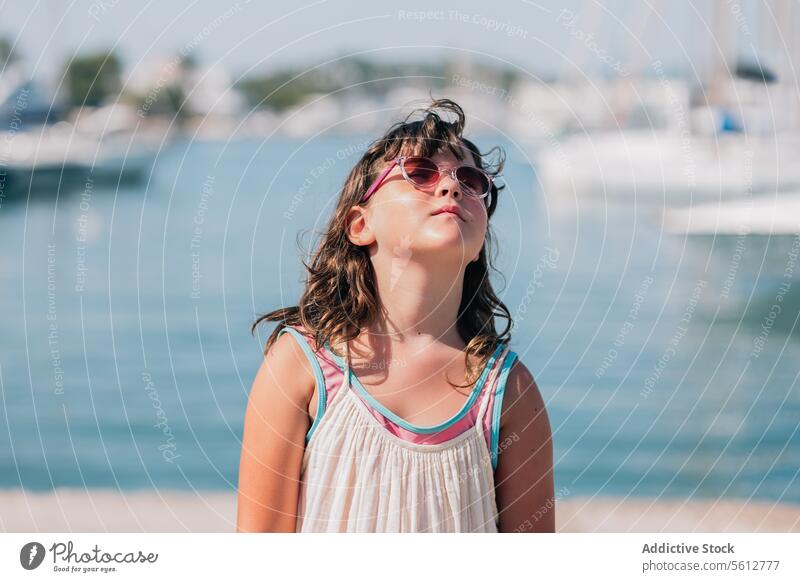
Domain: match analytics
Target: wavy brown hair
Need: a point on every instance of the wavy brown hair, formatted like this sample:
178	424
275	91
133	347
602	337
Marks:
340	296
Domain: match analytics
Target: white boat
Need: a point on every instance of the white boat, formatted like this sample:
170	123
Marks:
666	167
57	156
769	214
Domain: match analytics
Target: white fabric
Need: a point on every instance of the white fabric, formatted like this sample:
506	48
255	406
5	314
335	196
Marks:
358	477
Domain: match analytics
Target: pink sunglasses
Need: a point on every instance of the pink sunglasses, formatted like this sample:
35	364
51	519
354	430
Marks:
424	173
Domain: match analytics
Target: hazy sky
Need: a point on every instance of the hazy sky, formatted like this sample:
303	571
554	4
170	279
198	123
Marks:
539	36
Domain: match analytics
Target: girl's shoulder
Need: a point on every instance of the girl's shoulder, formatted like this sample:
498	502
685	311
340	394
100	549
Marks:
284	358
523	399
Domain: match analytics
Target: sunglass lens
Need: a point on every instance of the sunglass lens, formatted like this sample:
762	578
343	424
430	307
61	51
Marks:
473	180
421	171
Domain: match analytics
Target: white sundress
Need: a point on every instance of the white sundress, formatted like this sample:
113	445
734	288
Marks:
358	477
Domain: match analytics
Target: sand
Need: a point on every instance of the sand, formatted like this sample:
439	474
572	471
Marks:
77	510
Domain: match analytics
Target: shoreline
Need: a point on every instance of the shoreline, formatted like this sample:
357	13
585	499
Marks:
107	510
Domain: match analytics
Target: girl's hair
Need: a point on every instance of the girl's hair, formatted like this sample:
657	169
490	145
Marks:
340	296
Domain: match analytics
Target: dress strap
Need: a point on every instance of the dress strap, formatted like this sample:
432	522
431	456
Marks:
319	376
497	405
343	364
492	403
489	385
347	382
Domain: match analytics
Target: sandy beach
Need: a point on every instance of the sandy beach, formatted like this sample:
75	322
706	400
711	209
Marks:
78	510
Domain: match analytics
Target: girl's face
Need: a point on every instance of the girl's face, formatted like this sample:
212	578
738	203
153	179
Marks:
404	219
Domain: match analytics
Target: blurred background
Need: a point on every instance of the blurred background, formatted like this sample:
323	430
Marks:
163	169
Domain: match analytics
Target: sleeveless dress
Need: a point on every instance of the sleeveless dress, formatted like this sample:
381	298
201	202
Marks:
365	469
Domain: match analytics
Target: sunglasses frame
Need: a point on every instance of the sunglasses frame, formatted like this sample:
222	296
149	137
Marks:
451	171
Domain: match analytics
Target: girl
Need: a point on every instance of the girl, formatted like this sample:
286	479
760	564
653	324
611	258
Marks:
354	421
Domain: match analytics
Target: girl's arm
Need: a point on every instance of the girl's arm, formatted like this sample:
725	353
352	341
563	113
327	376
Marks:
275	425
524	476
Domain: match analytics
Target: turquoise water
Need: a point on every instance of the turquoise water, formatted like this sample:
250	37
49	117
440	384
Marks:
126	358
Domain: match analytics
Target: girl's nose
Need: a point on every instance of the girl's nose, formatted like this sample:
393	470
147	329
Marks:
447	185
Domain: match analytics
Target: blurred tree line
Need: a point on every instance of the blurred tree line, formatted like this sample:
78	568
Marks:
286	88
7	54
92	79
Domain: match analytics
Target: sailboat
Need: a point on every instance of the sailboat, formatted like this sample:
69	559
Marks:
665	147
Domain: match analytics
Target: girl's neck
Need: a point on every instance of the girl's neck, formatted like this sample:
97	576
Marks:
420	303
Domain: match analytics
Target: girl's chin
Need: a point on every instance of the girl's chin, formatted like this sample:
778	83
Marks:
452	233
443	244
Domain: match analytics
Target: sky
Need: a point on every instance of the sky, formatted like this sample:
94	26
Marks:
544	38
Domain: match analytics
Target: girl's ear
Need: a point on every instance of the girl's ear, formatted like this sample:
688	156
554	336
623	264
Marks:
357	229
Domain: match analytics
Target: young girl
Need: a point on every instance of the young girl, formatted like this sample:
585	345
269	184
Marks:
357	420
